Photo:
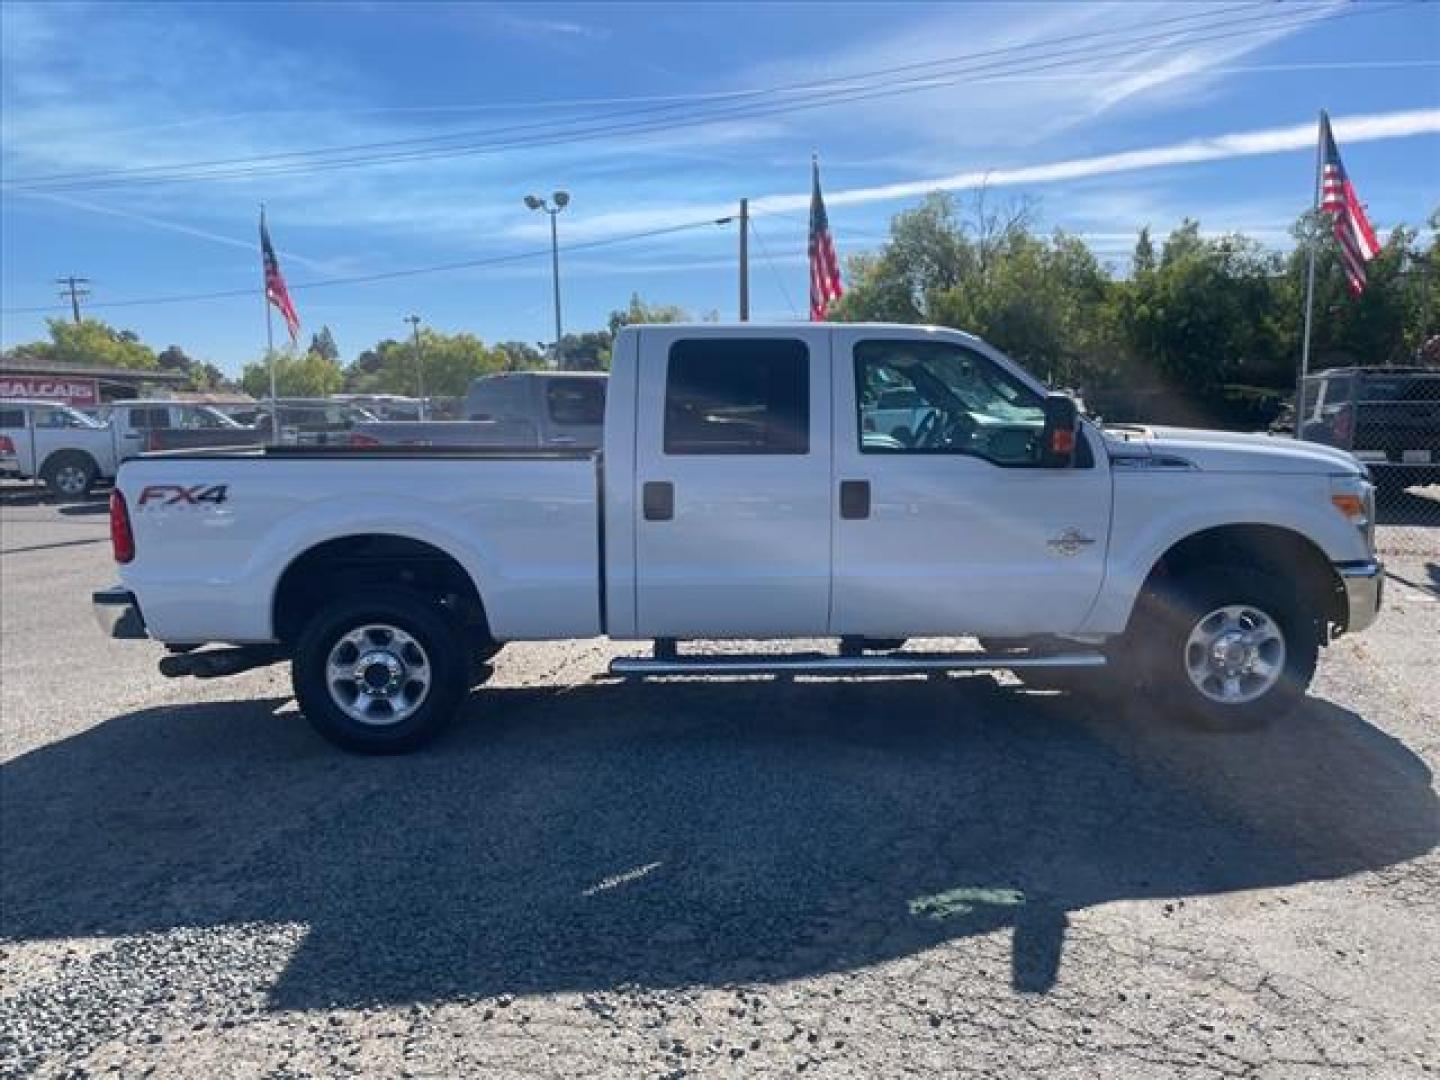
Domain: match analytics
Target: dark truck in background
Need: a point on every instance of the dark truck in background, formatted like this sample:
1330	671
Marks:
1388	417
535	409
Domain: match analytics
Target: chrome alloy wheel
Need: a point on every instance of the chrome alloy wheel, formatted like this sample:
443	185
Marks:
1235	654
378	674
71	480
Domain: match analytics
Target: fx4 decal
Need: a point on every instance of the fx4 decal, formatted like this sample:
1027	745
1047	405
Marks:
175	495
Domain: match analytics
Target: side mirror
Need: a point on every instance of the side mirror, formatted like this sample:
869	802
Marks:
1057	437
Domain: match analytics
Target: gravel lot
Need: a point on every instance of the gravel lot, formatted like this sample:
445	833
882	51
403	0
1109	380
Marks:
947	876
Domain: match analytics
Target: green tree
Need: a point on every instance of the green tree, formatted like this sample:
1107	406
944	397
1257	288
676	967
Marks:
1143	261
520	356
310	375
323	343
91	342
640	311
1206	315
201	375
1385	324
589	351
449	363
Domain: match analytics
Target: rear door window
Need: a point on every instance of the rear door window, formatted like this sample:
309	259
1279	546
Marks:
143	419
738	396
12	418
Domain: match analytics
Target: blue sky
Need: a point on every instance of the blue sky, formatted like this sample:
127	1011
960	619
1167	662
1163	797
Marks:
1110	115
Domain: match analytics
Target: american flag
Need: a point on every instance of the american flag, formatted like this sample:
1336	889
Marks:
1358	244
275	290
825	287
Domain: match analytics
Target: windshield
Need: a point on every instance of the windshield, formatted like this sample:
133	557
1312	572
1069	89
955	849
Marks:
63	416
206	417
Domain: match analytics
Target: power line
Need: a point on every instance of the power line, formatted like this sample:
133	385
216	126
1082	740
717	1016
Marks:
389	275
607	130
590	130
802	86
774	270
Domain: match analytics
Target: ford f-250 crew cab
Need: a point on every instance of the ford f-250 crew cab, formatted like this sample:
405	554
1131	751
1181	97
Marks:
741	494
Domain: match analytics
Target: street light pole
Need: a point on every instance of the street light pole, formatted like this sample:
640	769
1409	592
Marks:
555	273
561	199
414	321
744	260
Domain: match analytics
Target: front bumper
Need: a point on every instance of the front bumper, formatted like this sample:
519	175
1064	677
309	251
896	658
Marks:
1364	583
118	614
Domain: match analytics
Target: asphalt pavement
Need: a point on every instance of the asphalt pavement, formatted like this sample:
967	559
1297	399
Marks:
949	876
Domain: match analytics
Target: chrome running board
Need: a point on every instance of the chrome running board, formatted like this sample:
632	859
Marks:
817	664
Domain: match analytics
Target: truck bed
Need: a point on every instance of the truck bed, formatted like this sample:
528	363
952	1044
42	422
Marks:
384	452
226	524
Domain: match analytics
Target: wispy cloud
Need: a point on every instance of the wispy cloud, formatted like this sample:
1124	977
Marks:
1240	144
175	227
537	27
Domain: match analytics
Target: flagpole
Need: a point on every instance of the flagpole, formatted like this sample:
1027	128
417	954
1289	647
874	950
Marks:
1309	281
269	340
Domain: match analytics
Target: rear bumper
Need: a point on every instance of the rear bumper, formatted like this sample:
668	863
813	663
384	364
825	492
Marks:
118	614
1364	583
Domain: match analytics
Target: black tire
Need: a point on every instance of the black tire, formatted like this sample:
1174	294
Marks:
1159	642
70	474
446	665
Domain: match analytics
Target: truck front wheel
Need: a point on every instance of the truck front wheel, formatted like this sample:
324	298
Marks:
380	674
1227	648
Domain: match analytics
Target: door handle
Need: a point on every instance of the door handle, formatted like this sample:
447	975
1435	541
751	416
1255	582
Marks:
854	499
657	498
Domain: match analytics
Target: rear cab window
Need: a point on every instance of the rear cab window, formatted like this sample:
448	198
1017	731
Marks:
1377	388
737	396
576	401
12	418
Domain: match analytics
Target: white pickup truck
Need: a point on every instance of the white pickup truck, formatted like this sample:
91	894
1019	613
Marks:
741	494
68	451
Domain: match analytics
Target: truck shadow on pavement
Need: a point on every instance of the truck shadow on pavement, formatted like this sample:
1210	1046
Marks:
599	835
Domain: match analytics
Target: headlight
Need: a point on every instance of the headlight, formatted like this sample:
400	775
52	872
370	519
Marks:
1354	496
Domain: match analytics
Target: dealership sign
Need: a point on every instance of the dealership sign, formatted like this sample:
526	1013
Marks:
81	392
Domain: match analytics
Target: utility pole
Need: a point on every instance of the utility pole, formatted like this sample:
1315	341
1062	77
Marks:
414	321
744	260
75	292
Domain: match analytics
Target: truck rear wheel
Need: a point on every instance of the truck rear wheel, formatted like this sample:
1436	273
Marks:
1227	648
380	674
69	474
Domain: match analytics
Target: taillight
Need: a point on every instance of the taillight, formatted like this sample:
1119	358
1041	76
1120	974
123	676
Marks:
360	440
7	445
1344	425
122	540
